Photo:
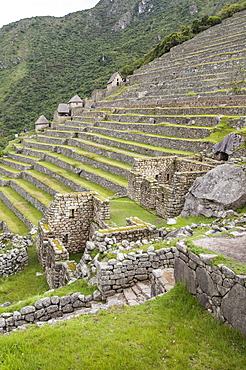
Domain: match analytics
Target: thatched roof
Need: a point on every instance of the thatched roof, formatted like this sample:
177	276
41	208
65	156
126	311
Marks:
75	99
41	120
63	108
114	75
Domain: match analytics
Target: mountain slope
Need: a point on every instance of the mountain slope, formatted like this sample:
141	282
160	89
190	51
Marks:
46	60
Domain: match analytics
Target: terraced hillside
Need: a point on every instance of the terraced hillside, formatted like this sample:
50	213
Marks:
211	65
179	104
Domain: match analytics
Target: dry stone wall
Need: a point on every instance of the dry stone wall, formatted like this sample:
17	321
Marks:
161	183
45	309
219	289
65	229
13	252
113	276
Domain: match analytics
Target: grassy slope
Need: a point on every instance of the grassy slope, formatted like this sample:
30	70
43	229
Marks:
122	208
172	332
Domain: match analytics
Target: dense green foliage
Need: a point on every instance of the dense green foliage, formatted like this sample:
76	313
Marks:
186	33
46	60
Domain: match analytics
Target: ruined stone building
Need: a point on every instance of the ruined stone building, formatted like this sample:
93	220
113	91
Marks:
161	183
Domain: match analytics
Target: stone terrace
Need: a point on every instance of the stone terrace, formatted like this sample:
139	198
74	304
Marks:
157	113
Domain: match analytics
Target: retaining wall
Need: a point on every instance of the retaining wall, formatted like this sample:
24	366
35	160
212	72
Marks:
219	289
114	276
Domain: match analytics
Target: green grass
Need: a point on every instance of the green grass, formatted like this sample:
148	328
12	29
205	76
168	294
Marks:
172	332
26	208
79	180
25	284
37	193
141	145
12	221
222	130
122	208
87	167
52	183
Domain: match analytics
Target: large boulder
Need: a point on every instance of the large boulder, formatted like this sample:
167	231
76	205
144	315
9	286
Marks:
222	188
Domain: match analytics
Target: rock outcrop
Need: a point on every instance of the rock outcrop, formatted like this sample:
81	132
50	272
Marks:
222	188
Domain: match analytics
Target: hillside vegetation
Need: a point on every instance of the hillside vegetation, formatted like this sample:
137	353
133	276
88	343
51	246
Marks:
46	60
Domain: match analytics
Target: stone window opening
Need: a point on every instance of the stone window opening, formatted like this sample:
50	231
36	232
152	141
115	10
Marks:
71	213
168	176
65	239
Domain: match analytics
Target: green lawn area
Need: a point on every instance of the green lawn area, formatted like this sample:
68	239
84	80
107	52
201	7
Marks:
12	221
173	332
122	208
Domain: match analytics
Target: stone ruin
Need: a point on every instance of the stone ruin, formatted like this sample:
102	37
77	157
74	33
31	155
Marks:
161	183
65	229
13	253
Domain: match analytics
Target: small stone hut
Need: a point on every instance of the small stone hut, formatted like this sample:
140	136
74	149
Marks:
75	102
115	80
62	113
41	123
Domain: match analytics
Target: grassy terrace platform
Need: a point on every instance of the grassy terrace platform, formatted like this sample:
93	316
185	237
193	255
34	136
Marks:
97	157
66	174
89	168
22	205
12	221
109	149
137	147
35	192
50	182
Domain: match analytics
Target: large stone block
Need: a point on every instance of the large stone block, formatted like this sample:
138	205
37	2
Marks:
234	307
205	282
183	273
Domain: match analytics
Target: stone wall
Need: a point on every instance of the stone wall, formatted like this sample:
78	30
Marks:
172	143
161	183
9	204
170	198
65	229
45	309
113	276
3	227
219	289
13	252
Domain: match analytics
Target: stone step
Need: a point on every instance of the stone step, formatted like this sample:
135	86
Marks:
37	197
71	179
24	210
134	146
9	171
173	143
109	151
97	161
46	183
22	158
188	111
17	165
58	133
51	140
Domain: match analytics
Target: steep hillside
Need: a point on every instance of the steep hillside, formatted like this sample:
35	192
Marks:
45	60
